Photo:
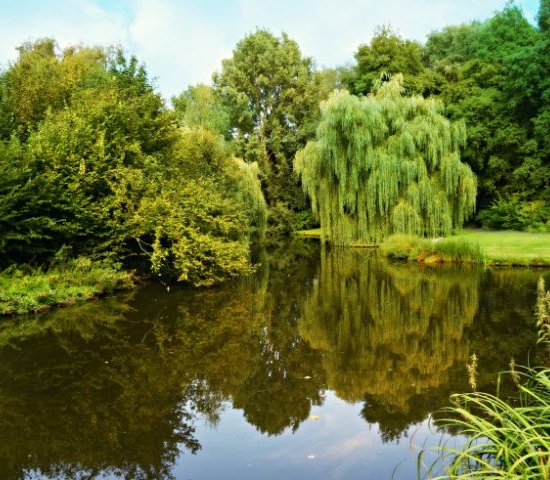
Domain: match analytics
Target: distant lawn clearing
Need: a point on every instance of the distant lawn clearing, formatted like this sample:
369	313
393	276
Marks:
512	248
501	247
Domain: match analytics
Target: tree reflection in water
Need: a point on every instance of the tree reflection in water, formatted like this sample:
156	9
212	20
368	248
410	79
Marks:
116	386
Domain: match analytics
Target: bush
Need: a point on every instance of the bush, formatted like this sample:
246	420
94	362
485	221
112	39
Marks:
513	214
452	250
24	290
282	221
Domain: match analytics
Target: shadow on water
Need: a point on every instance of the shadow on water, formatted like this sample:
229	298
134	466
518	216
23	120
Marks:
116	387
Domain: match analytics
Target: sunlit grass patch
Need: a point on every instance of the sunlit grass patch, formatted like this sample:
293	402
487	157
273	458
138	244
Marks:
431	251
512	248
33	290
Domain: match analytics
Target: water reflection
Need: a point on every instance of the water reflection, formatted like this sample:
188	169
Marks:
388	332
118	387
80	392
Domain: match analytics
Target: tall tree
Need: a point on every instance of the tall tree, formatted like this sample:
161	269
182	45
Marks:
43	78
495	78
543	16
201	106
272	92
387	54
386	164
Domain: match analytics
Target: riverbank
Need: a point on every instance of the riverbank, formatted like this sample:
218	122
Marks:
497	247
78	280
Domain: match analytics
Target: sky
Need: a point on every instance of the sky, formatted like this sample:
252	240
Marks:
182	42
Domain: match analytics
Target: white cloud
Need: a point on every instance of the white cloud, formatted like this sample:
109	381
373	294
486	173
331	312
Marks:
69	22
177	45
183	42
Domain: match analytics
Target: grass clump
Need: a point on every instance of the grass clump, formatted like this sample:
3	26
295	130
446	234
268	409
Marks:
506	438
431	251
25	290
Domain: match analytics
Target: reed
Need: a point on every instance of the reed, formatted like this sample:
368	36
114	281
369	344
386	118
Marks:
506	438
444	250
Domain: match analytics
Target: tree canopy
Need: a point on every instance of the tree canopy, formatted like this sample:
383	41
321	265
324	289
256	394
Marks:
493	75
386	164
272	93
91	159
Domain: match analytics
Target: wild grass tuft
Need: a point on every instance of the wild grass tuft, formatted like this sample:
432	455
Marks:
543	312
506	438
24	290
443	250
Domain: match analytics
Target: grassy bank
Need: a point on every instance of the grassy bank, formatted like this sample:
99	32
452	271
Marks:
478	246
423	250
76	281
512	248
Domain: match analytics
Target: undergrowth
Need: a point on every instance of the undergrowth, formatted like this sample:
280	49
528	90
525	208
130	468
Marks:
431	251
25	290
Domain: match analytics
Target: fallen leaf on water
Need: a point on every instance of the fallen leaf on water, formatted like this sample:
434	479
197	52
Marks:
314	417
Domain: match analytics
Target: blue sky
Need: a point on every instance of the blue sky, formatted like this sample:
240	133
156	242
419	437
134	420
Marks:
182	42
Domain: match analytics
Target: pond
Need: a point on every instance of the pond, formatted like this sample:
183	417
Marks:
323	365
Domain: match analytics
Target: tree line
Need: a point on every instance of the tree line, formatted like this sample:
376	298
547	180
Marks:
93	159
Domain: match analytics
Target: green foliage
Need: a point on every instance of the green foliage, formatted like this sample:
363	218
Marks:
513	214
199	228
92	159
282	221
387	55
445	250
43	80
452	45
23	290
81	168
272	93
543	16
386	164
495	77
201	106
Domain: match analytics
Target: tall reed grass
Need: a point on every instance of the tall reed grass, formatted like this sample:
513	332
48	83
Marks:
443	250
506	438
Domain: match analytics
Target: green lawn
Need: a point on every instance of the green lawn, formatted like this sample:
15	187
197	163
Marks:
510	248
501	247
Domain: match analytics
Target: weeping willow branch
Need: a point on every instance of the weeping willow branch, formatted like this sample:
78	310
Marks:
386	164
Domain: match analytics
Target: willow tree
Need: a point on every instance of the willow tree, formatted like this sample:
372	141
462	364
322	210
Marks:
386	164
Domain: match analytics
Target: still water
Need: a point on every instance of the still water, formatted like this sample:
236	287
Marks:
324	365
